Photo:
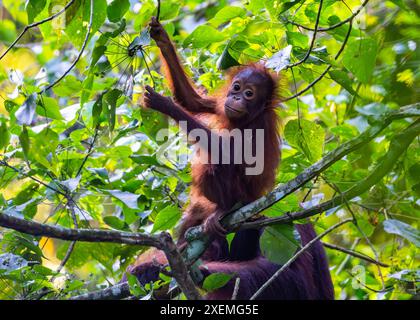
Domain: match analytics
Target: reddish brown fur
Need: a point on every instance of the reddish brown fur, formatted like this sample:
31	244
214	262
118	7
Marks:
216	188
243	188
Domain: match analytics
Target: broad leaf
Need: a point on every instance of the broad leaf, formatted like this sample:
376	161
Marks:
306	136
116	9
216	280
167	218
128	198
278	243
403	229
359	57
33	8
48	107
203	36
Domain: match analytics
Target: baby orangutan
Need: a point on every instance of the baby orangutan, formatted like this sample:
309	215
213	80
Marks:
248	103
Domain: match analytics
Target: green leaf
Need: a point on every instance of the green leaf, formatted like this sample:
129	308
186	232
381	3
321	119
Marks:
76	28
128	198
26	194
402	229
115	222
167	218
48	107
277	7
278	243
116	9
359	57
343	79
110	105
43	147
68	87
226	60
216	280
24	141
152	122
226	14
297	39
33	8
169	9
288	204
203	36
4	134
142	159
373	109
306	136
87	89
136	288
97	110
97	53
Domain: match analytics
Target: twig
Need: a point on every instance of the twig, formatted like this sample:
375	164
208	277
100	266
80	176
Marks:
347	258
148	69
4	163
297	94
158	11
390	288
339	24
65	259
372	247
308	53
82	49
355	254
70	204
299	253
236	288
89	151
34	24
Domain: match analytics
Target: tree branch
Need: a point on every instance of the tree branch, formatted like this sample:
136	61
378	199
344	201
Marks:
233	220
88	235
179	268
35	24
397	147
119	291
162	241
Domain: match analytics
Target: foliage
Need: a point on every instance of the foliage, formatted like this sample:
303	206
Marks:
83	154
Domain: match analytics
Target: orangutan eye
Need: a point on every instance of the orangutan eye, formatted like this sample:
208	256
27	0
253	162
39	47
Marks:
249	93
236	87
